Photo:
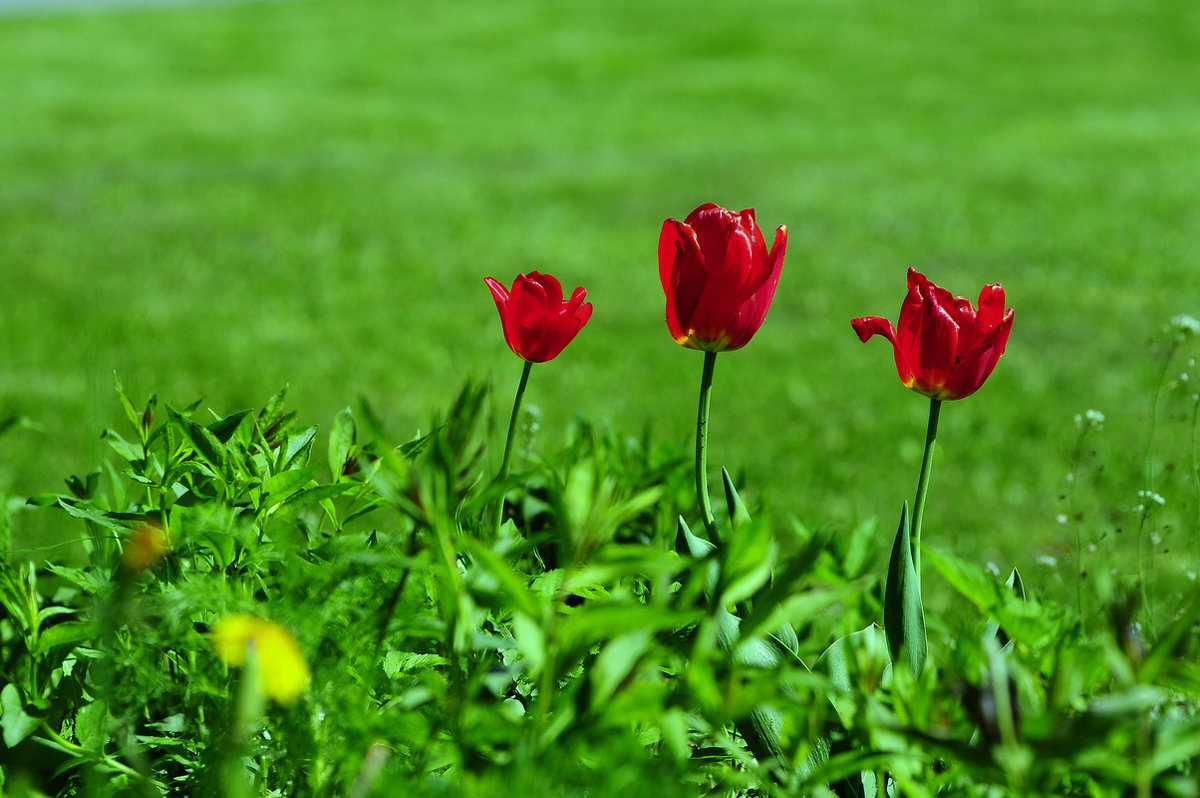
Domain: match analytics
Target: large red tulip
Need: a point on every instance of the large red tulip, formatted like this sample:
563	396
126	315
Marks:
718	276
944	347
537	322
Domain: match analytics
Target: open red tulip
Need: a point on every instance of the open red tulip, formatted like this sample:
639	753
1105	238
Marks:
944	347
718	276
537	322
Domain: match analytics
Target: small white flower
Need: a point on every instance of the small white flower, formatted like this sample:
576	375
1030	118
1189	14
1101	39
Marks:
1152	496
1061	518
1047	561
992	568
1183	324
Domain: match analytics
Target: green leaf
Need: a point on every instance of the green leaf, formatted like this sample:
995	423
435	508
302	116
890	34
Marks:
14	721
614	663
531	641
285	483
509	582
903	615
687	543
298	448
130	452
738	514
318	493
205	444
861	547
223	428
341	441
107	520
1025	619
91	725
747	564
398	662
857	663
66	633
272	412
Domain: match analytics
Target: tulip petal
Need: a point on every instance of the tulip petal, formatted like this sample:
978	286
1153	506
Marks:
724	290
754	310
544	335
991	306
926	335
683	273
868	326
977	364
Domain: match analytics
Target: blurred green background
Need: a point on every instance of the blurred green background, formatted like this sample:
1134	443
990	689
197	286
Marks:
219	200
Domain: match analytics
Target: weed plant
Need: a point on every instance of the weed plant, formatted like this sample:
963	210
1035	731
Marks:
590	646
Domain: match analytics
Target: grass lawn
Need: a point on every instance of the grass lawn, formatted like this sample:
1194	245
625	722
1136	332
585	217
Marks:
217	201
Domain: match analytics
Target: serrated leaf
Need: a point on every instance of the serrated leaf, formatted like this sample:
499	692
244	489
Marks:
903	613
397	662
91	725
104	519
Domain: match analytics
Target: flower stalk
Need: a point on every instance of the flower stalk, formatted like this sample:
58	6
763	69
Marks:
508	441
706	378
935	407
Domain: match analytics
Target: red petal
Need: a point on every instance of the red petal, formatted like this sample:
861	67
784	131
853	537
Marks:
544	335
926	336
725	287
754	310
977	365
501	296
683	272
868	326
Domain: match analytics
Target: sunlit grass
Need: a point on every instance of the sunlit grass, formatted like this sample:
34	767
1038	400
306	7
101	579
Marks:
221	200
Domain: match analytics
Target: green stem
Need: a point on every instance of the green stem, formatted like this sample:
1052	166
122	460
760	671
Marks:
935	408
706	377
508	442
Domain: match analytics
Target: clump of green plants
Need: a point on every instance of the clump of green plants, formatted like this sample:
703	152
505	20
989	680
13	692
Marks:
259	610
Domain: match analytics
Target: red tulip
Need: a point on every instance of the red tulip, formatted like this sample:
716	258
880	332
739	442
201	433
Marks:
944	347
537	322
718	276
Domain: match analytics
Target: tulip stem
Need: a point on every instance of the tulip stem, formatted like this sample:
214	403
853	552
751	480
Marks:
935	408
508	442
706	378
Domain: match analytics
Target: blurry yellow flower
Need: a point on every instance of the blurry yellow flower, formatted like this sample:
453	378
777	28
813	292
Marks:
282	672
146	546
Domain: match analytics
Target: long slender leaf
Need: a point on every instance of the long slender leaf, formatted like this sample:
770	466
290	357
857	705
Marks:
903	614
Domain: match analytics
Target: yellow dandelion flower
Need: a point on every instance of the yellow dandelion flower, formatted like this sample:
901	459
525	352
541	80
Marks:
146	546
282	672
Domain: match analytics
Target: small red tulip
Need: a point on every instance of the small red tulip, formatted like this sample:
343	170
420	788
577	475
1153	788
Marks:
537	322
944	347
718	276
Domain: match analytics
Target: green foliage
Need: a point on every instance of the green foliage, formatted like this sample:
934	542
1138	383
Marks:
593	645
